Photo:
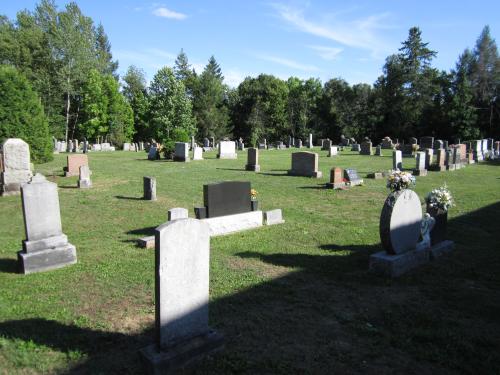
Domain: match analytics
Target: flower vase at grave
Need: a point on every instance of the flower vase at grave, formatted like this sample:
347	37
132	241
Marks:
438	233
255	205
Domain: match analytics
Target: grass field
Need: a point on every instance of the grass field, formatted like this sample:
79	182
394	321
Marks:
291	298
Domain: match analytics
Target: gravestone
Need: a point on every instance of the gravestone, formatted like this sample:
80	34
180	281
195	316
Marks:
310	142
298	144
70	146
84	181
387	143
227	150
420	169
366	148
429	154
426	142
193	142
15	167
351	176
46	247
378	151
225	198
153	153
407	149
448	161
206	142
177	213
326	144
149	184
305	164
252	160
273	217
212	142
438	144
126	147
355	147
413	141
181	151
182	263
397	160
333	151
85	146
336	178
75	145
197	153
400	230
74	162
440	160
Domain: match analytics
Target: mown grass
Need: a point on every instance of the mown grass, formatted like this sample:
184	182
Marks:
293	298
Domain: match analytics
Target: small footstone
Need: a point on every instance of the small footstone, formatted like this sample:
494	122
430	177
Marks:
273	217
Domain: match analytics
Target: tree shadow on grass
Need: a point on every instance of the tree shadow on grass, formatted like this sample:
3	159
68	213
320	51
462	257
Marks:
8	265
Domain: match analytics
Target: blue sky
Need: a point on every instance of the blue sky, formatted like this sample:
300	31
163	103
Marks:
322	39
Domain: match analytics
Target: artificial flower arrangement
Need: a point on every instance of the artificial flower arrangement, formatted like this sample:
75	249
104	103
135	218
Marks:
440	198
399	180
253	194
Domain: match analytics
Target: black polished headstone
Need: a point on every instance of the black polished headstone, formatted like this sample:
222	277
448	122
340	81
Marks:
227	198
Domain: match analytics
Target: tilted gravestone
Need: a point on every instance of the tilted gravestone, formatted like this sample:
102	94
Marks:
305	164
15	166
46	247
252	160
351	176
74	162
182	263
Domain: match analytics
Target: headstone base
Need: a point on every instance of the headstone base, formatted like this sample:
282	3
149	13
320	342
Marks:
227	156
317	174
84	184
180	158
165	362
221	225
442	248
396	265
356	182
250	167
146	242
420	172
376	175
437	168
46	260
337	186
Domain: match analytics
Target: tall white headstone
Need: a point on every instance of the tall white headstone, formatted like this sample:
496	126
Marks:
227	150
15	163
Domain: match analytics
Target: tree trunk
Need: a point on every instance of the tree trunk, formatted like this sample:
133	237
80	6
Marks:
74	123
67	112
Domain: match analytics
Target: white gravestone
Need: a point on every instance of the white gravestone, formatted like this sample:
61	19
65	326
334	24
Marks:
15	164
46	247
333	151
84	181
182	263
197	153
227	150
397	160
177	213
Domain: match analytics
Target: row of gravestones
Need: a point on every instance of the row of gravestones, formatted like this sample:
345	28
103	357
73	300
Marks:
75	146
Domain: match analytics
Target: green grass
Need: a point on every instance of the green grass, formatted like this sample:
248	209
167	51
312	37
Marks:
292	298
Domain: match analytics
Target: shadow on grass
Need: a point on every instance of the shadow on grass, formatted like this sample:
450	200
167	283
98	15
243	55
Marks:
67	187
149	231
273	174
232	169
324	313
9	266
130	198
317	187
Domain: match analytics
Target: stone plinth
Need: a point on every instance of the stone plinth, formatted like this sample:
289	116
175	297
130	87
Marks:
222	225
396	265
273	217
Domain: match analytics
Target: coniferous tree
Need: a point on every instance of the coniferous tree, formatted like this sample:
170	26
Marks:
135	91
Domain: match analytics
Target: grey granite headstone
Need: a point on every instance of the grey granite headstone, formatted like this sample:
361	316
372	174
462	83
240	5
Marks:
378	151
355	147
252	160
305	164
182	263
84	181
181	151
46	247
149	188
153	153
420	169
366	148
177	213
15	163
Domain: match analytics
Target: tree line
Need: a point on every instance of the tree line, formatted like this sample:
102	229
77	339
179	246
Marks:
62	61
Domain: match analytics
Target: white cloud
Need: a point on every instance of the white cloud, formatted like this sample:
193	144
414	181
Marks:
359	33
327	53
233	77
167	13
287	62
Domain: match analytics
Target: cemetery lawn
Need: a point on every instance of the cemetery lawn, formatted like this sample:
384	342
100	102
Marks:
291	298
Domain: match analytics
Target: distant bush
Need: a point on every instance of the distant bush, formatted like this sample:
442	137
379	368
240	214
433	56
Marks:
21	114
176	135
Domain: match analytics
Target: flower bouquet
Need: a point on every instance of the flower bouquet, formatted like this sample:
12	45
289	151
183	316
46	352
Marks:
438	203
253	198
399	180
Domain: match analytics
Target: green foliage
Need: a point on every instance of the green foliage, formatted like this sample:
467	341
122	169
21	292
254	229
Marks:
176	135
170	108
21	114
135	91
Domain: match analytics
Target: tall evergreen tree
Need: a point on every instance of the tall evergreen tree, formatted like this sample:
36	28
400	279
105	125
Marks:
135	91
105	63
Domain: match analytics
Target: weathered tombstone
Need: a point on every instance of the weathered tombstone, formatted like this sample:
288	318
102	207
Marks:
326	144
366	148
387	143
305	164
126	147
426	142
400	229
181	151
75	145
420	169
261	146
252	160
241	145
46	247
141	146
177	213
59	147
310	142
429	154
351	176
440	160
206	142
227	150
332	151
182	263
193	142
153	153
397	160
85	146
448	161
477	150
336	178
456	157
378	151
298	144
96	147
15	167
197	153
463	153
74	162
70	146
149	188
355	147
84	181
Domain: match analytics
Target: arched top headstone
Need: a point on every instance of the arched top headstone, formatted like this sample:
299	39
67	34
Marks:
400	222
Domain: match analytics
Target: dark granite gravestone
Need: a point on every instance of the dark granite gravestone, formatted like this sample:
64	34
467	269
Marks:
351	175
426	142
225	198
